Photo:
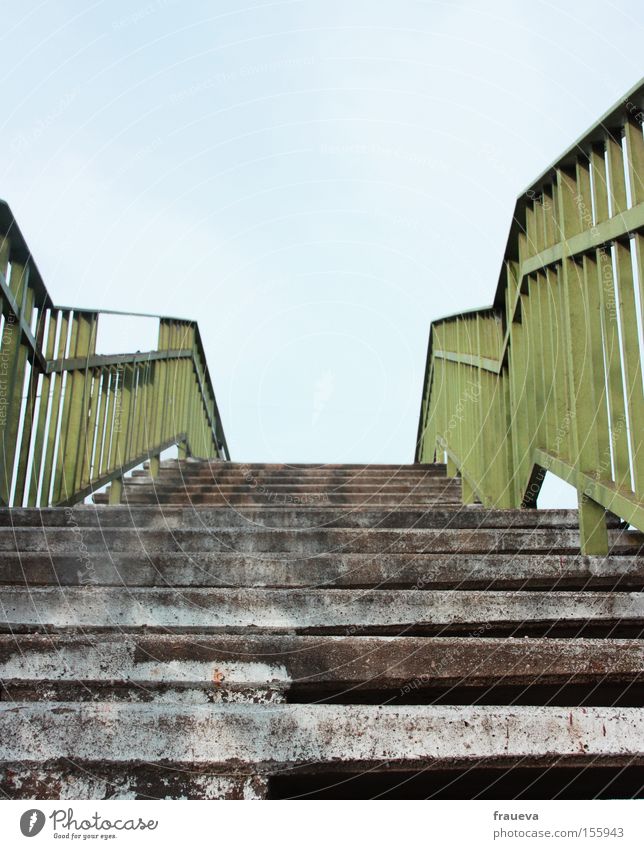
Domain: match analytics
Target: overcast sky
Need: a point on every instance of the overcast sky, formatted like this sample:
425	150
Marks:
314	181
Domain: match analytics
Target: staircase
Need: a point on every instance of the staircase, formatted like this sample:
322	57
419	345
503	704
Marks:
244	631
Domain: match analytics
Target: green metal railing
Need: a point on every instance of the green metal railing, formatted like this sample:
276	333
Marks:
550	377
71	420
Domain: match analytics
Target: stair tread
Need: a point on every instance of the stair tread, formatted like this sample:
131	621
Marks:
284	735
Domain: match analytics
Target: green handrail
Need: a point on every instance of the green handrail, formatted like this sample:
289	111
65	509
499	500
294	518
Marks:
72	421
549	378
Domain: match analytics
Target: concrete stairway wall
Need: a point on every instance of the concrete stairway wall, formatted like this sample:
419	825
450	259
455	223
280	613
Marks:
235	631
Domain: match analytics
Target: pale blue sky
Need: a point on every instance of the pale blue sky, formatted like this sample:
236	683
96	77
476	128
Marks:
314	181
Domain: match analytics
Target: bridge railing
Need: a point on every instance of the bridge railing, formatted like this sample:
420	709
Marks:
550	377
72	420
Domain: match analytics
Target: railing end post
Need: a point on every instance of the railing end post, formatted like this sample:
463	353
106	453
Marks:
593	531
183	450
451	468
155	464
116	490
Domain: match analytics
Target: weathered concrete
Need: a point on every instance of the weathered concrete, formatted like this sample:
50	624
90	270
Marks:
257	662
266	738
252	518
419	571
308	542
285	499
138	781
193	651
219	467
211	610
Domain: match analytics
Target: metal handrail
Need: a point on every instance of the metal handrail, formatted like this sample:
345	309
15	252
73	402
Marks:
549	378
71	420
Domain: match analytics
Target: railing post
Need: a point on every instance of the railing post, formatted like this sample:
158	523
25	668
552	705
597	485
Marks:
116	491
579	359
12	374
155	464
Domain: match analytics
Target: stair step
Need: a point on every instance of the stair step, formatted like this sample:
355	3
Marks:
160	486
229	622
225	569
353	500
371	663
126	782
348	468
246	738
307	542
243	475
296	487
311	610
150	516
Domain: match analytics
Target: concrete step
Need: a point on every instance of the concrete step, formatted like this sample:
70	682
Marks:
154	781
307	542
263	740
396	612
282	481
161	486
306	468
420	571
178	650
273	499
151	517
241	473
284	663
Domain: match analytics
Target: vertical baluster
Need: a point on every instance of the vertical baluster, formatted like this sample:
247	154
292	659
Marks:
635	160
31	393
548	217
618	435
102	431
585	456
86	420
632	366
638	240
592	283
539	225
600	186
56	405
548	414
43	412
163	390
73	426
518	401
497	424
531	230
616	181
122	422
142	443
137	404
108	463
557	402
84	471
147	443
583	438
536	294
13	359
131	419
583	199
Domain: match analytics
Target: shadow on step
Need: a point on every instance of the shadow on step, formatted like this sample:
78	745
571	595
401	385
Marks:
591	694
551	783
